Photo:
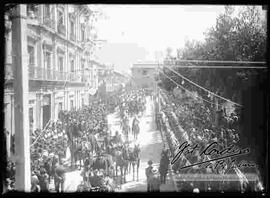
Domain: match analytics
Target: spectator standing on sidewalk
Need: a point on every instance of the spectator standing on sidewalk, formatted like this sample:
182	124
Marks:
35	183
155	182
149	175
44	180
164	165
59	177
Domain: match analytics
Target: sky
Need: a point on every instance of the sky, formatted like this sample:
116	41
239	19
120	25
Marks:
136	33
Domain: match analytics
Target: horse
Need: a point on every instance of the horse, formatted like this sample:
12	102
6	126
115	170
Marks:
125	126
79	154
164	165
121	158
135	160
135	128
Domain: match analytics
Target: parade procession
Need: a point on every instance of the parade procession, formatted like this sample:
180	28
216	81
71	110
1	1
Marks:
84	114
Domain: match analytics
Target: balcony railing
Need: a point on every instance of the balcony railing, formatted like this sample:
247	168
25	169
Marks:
35	73
38	73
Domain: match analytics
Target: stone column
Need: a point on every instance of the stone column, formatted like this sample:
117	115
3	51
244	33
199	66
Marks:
38	111
53	105
21	90
8	122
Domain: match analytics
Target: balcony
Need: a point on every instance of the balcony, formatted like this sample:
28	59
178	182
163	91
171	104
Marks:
38	73
61	29
48	22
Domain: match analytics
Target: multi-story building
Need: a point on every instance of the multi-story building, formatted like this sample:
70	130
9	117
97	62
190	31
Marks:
143	74
116	81
61	76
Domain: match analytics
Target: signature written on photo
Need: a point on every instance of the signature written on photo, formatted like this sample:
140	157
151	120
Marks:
214	156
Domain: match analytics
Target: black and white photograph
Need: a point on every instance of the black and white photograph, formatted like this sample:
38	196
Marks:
140	98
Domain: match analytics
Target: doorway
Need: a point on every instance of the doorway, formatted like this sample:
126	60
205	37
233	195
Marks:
46	109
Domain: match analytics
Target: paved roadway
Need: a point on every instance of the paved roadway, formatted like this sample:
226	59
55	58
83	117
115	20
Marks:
151	145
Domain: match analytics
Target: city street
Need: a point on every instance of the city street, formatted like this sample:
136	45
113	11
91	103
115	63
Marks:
90	99
151	145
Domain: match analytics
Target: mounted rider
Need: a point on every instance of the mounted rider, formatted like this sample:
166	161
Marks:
135	121
117	138
135	127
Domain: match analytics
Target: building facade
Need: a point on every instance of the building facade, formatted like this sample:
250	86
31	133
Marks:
116	81
61	76
143	74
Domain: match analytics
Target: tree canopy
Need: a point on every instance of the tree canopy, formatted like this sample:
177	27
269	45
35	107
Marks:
236	36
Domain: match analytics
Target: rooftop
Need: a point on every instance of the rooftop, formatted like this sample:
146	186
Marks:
149	65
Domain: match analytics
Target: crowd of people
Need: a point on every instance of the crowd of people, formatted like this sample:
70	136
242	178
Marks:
74	129
201	129
156	176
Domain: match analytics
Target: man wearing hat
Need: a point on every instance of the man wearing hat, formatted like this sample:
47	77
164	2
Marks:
59	177
34	183
155	181
149	174
95	180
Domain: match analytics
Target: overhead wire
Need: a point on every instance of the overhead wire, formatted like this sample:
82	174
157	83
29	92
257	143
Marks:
177	73
187	89
222	62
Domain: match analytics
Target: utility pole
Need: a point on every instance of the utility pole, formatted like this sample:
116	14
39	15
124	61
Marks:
20	65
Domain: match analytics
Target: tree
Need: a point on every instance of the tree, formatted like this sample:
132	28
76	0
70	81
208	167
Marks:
235	37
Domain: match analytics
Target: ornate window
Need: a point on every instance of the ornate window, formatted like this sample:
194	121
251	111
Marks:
61	20
72	30
48	15
60	63
31	53
82	32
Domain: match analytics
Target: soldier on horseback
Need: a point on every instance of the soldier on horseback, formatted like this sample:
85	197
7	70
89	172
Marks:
117	138
135	160
135	127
